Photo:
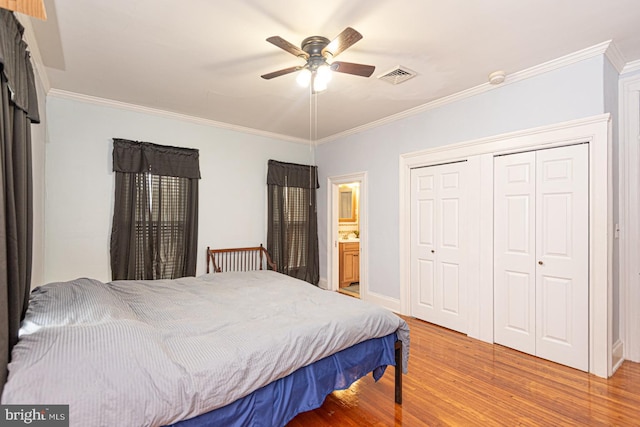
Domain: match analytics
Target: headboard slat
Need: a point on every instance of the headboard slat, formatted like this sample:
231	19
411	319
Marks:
239	259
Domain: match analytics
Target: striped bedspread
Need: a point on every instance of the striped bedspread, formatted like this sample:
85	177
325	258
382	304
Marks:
155	352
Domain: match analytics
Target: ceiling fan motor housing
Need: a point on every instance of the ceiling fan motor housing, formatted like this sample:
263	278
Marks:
313	45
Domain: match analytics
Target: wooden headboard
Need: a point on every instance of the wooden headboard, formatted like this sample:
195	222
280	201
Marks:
239	259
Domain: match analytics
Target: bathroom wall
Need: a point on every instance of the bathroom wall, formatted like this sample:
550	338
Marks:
347	229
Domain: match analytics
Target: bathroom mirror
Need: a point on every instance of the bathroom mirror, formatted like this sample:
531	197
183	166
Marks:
347	205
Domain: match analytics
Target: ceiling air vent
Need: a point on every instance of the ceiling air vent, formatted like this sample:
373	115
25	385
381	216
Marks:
398	75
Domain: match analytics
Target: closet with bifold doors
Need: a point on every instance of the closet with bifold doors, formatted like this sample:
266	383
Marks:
438	245
541	253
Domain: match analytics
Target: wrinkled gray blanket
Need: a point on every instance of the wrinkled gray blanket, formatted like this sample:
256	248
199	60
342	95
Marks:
155	352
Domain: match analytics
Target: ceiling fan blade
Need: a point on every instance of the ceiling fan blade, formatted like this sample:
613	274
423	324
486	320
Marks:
281	72
343	41
285	45
351	68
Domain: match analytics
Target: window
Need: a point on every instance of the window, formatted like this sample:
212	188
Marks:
292	235
154	234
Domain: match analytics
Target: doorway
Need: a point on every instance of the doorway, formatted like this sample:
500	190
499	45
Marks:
349	239
347	234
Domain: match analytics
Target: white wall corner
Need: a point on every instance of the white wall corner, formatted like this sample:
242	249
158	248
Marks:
615	57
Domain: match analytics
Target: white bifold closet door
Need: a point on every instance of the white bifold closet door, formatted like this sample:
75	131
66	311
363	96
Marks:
438	267
541	253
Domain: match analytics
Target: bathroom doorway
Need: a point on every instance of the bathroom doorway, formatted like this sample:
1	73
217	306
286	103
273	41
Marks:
347	263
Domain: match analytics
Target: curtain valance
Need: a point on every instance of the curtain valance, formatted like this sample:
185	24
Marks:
292	175
137	157
15	66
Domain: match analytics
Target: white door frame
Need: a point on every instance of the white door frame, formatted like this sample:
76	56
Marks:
594	130
629	212
333	182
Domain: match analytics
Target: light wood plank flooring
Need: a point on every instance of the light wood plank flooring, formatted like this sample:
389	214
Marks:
454	380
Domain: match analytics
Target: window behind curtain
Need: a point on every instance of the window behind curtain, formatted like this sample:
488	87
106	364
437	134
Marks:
292	235
161	226
154	234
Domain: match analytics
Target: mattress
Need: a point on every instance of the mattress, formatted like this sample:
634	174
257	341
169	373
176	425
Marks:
157	352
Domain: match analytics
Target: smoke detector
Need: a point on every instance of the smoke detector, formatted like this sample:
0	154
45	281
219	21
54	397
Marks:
497	77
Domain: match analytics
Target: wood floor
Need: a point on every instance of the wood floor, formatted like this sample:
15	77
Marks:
454	380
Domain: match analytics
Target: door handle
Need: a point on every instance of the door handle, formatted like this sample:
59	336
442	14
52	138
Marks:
433	251
540	263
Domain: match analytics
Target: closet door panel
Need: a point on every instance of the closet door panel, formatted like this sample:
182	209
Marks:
518	303
562	233
452	303
450	277
423	236
514	251
556	300
426	291
438	289
448	248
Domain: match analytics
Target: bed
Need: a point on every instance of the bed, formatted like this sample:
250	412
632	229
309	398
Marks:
227	348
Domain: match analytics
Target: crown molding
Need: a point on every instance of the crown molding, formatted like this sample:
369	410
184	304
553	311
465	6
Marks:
631	67
63	94
607	48
615	57
581	55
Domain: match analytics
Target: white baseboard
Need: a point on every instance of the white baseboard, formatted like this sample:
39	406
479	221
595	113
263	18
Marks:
323	283
384	301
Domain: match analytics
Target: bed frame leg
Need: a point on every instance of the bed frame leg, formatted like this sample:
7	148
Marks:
399	372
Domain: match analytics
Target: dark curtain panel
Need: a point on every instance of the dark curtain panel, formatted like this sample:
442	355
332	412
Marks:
18	109
155	220
292	231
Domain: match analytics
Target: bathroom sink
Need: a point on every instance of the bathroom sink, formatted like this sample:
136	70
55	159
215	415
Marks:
350	240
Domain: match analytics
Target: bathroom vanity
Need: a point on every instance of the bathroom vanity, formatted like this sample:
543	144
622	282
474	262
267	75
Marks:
349	253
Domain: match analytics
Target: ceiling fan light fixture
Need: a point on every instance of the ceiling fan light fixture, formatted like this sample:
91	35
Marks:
319	83
324	72
304	77
322	77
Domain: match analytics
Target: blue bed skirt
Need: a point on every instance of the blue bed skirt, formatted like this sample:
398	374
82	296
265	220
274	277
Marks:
279	402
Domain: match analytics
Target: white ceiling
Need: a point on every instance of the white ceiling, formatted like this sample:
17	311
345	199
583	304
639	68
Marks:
204	58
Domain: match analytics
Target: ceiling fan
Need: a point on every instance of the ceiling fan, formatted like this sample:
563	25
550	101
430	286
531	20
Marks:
317	51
